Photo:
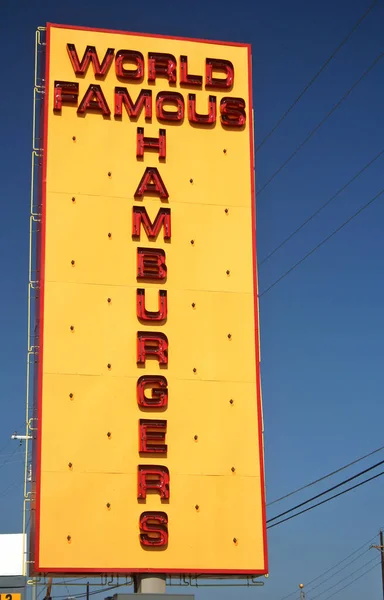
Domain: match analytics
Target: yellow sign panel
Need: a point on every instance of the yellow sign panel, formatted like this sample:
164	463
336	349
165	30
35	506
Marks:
150	441
10	596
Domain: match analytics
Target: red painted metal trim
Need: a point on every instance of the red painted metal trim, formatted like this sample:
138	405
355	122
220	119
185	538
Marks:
223	572
154	35
256	304
41	305
229	572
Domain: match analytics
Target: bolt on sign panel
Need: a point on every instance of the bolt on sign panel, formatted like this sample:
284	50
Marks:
149	453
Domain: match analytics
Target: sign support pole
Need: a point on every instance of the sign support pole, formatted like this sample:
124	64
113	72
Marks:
150	584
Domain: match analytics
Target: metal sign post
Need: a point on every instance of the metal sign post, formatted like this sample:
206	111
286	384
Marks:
150	584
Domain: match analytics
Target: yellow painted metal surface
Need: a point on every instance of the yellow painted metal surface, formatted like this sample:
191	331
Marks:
212	378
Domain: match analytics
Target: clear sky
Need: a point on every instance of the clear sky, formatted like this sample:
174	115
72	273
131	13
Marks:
322	326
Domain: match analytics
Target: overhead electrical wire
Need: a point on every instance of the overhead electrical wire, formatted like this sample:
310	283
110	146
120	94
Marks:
335	107
318	211
9	457
322	68
326	239
315	587
334	487
326	500
93	592
9	488
369	562
304	487
309	583
353	581
5	446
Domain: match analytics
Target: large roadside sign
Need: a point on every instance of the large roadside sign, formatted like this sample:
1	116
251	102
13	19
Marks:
149	454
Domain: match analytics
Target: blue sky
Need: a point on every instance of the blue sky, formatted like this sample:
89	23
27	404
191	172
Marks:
321	327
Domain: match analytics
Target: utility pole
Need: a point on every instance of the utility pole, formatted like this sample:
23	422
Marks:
381	548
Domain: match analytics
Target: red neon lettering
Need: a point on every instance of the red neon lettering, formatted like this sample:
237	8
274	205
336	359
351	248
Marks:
152	344
151	264
122	98
162	219
185	77
221	65
171	98
64	92
161	65
151	182
153	529
90	55
123	56
153	478
233	112
94	100
152	436
150	143
146	315
195	117
159	391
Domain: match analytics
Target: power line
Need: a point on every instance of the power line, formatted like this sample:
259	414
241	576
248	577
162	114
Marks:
93	592
332	568
334	487
321	244
339	571
300	227
75	579
5	446
335	107
304	487
369	562
322	68
353	581
9	457
326	500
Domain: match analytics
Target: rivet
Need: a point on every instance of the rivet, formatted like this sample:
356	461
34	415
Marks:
72	328
235	540
72	262
73	199
69	538
70	465
71	395
229	336
225	151
109	235
195	437
233	469
74	138
109	365
108	505
226	211
192	242
109	173
231	401
191	181
109	434
109	299
194	369
197	506
228	272
193	305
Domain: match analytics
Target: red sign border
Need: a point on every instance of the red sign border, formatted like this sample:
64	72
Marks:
38	569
